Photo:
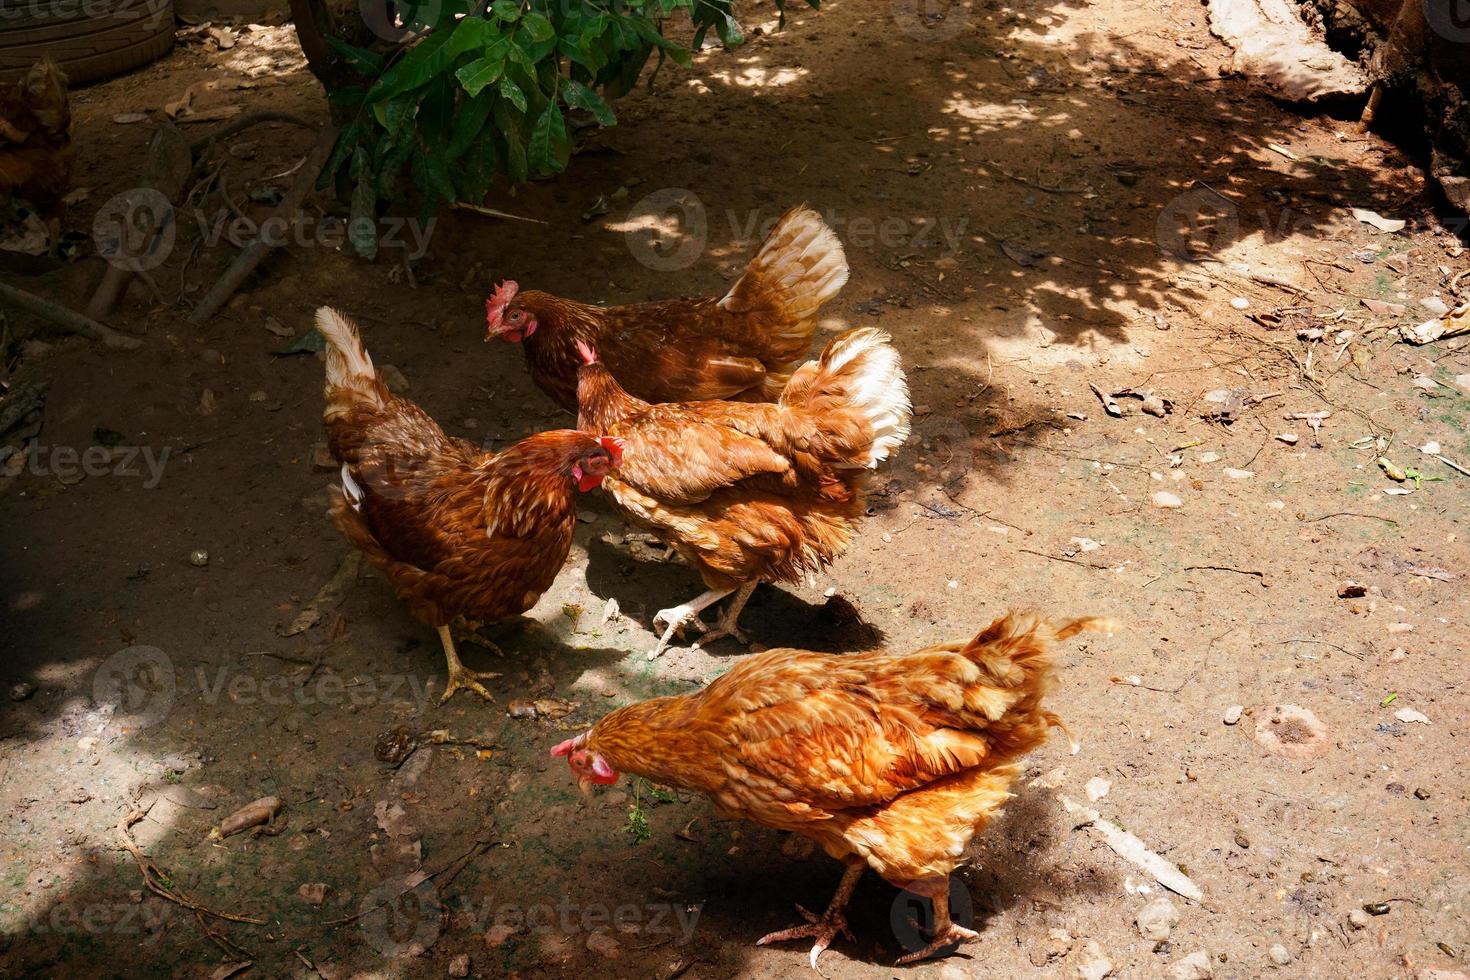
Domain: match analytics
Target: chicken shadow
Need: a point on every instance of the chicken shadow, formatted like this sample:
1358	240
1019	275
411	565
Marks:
774	617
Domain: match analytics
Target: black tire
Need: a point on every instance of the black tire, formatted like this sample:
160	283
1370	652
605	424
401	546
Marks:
89	39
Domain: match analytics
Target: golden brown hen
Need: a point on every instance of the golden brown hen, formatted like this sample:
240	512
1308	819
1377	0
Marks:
460	533
754	492
743	345
889	762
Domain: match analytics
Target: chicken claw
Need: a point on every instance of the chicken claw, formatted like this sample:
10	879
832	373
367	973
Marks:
952	936
727	624
677	618
822	928
461	677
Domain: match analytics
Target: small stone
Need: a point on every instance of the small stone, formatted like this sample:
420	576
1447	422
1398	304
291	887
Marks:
1233	713
1462	381
1157	919
393	378
1166	500
586	516
1094	965
199	558
1209	457
1290	438
1242	841
459	966
1097	787
496	935
604	945
1400	627
1280	955
1351	590
1409	715
952	972
208	402
314	893
1358	919
1430	448
1240	303
22	691
1421	793
1195	966
1236	474
258	396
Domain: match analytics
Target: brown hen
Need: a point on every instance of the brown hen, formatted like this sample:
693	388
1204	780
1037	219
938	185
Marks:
754	492
887	761
458	532
741	346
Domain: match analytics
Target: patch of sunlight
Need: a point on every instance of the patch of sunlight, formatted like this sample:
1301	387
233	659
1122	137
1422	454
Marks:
755	76
991	115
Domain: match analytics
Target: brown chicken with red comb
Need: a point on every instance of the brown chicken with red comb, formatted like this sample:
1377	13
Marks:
460	533
741	346
887	761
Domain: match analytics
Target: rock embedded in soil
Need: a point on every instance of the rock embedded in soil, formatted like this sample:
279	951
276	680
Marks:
1165	500
459	966
22	691
1280	955
1233	713
314	893
1358	919
1157	919
1195	966
604	945
497	935
1351	590
1094	965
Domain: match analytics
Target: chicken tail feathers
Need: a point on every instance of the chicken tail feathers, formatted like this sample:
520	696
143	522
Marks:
800	267
857	397
350	373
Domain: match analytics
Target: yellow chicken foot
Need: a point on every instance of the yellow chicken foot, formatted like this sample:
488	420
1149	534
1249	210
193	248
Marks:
825	927
945	933
675	619
461	677
727	624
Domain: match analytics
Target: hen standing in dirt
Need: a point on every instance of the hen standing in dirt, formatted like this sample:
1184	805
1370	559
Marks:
457	531
888	762
37	154
754	492
743	346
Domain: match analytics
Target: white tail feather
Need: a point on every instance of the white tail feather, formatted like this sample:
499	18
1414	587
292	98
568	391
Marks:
866	364
347	359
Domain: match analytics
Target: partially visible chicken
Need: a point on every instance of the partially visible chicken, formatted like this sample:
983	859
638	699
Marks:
742	346
36	150
459	533
754	492
889	762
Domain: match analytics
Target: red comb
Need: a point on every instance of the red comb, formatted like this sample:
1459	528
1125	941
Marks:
495	305
566	748
614	447
588	354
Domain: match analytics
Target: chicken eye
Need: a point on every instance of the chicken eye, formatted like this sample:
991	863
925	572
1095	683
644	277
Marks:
515	316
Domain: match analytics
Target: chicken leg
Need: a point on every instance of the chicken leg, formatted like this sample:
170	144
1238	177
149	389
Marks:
727	624
825	927
945	933
459	675
672	620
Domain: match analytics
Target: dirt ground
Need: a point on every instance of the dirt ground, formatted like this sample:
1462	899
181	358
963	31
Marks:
1035	199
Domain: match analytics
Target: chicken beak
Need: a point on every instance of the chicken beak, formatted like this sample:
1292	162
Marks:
584	785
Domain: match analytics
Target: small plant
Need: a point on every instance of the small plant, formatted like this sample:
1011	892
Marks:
480	89
637	816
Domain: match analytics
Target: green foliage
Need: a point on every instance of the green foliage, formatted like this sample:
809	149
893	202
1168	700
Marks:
483	90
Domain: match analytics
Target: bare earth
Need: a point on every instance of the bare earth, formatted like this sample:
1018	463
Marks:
1034	198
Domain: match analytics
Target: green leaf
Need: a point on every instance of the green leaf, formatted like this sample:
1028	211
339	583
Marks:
547	136
652	36
469	123
471	33
583	97
511	127
512	92
480	73
538	26
361	59
506	10
428	58
362	220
